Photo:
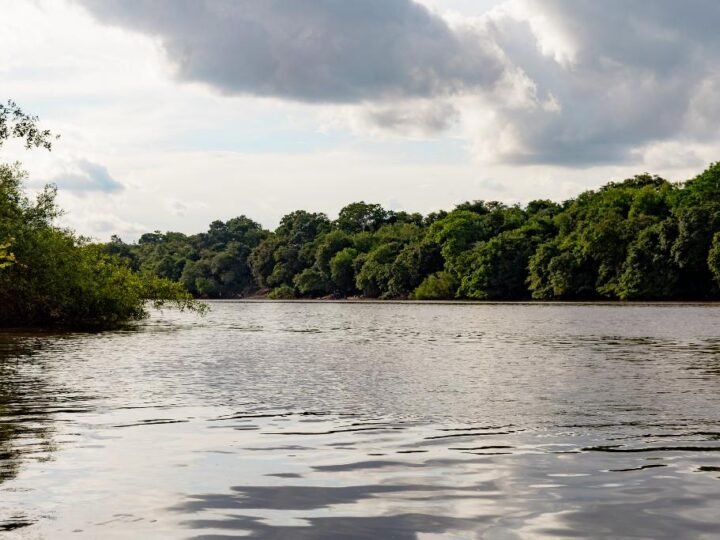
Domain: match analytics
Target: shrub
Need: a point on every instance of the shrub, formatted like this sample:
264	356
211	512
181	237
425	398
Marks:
438	286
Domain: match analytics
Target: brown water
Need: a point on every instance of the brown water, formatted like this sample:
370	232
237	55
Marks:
367	421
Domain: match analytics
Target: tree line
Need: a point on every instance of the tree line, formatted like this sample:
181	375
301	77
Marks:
644	238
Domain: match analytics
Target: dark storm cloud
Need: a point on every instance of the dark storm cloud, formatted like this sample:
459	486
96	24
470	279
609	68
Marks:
311	50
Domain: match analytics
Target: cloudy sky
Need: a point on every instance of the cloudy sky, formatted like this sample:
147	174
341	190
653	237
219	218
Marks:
174	113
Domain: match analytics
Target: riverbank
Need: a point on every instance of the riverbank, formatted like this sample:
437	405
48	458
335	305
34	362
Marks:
356	300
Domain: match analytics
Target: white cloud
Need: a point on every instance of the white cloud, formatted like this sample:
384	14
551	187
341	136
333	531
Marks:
621	76
83	176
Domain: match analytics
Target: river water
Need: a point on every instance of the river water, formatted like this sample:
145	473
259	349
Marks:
367	421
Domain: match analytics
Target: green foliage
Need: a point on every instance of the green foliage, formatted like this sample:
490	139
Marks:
499	267
312	282
703	188
54	278
215	264
15	123
374	275
328	246
6	257
714	258
300	227
696	227
289	250
650	272
642	238
361	217
589	255
283	292
262	260
456	233
342	271
438	286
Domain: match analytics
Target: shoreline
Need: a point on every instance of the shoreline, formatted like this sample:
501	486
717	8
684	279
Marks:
714	303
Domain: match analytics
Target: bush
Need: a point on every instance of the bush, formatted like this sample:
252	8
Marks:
312	282
342	271
51	277
283	292
438	286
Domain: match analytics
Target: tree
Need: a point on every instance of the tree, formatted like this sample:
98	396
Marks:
6	257
556	273
312	282
58	278
373	277
650	273
499	267
414	262
588	257
283	292
14	123
50	276
262	260
328	245
438	286
123	251
301	227
696	227
342	271
641	238
456	233
714	259
360	216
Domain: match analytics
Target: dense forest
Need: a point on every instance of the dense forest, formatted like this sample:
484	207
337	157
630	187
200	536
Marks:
642	238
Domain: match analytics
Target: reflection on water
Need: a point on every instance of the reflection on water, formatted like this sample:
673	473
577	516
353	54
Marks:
357	421
24	427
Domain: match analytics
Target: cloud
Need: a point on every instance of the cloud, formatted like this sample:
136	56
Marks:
183	208
426	117
83	176
621	75
101	226
573	83
329	51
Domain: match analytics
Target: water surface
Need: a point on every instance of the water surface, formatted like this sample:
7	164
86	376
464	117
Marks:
364	421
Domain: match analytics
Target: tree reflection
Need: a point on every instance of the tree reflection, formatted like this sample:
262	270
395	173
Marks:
25	423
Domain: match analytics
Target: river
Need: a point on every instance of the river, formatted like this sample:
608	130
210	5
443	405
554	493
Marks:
326	420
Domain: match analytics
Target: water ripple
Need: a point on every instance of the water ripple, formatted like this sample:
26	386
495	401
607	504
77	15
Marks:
363	421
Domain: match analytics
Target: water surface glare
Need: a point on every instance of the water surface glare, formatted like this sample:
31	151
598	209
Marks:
367	421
